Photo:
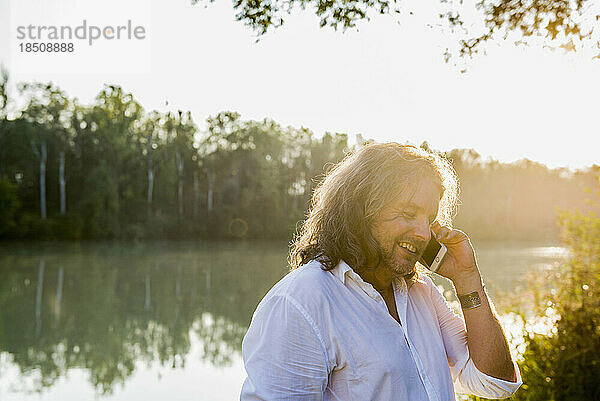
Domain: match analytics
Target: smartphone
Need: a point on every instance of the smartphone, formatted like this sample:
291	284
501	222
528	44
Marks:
433	254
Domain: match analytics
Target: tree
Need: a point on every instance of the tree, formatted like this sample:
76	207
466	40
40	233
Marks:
217	141
3	119
149	138
9	204
114	124
180	130
571	21
47	109
3	91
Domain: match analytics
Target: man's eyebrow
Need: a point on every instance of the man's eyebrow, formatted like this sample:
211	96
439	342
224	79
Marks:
410	204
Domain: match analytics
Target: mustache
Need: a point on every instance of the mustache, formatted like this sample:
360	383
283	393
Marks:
417	243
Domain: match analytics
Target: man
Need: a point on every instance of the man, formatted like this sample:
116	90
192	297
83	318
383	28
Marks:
357	318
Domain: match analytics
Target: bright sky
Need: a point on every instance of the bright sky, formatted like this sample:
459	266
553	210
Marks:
387	81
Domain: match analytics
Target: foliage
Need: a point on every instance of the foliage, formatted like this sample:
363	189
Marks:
132	174
561	359
570	20
8	205
518	200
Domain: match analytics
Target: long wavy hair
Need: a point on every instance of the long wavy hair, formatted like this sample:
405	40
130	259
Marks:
347	201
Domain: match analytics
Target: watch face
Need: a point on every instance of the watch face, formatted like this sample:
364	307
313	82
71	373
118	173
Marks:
469	301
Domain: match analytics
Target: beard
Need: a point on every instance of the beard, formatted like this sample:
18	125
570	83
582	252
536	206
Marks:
397	260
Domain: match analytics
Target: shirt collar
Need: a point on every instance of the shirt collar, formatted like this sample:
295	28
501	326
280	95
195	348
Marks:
342	270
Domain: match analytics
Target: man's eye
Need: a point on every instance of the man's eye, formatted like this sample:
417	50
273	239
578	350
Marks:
409	215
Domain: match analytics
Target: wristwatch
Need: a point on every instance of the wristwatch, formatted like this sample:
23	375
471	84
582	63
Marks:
470	300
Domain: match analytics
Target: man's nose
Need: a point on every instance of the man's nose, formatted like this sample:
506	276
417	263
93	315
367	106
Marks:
422	229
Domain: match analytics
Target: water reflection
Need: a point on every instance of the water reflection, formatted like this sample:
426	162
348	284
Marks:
104	308
110	310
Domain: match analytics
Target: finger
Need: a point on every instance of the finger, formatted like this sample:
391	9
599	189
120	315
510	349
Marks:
456	237
442	233
435	227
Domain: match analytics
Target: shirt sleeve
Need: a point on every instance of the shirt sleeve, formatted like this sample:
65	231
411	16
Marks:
284	354
467	378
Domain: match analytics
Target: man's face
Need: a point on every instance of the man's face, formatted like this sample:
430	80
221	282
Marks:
402	228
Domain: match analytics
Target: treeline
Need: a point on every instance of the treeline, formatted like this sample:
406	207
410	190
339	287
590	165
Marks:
520	200
113	170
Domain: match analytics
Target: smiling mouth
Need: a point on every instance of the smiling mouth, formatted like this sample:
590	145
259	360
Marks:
408	247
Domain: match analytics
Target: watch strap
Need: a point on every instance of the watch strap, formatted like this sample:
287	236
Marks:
470	300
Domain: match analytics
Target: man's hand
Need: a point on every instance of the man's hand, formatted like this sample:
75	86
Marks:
486	340
459	263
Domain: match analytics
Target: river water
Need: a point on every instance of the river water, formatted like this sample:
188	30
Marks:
158	320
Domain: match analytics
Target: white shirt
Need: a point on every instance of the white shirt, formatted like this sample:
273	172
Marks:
328	335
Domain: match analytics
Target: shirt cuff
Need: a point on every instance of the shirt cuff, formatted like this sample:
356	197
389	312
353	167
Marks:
473	381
